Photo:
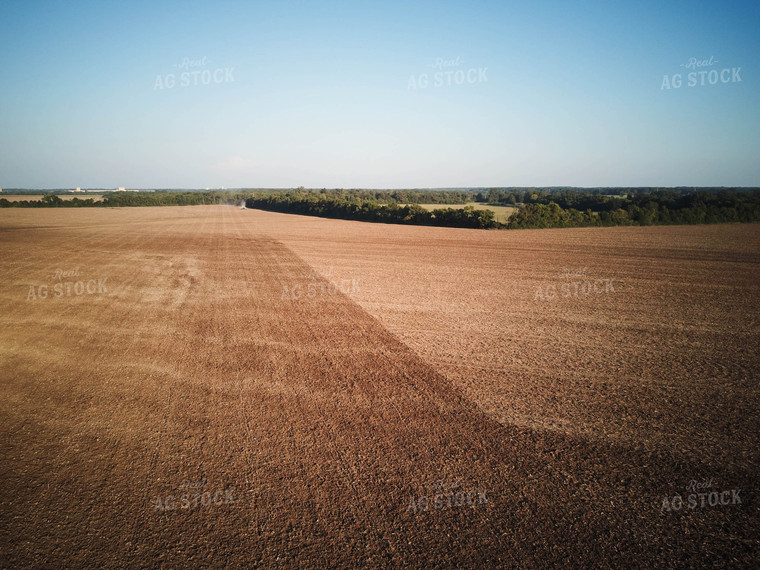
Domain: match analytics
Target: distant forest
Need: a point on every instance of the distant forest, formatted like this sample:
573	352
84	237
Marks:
537	207
628	206
121	199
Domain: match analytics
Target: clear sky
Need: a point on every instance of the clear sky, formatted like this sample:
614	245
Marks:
334	94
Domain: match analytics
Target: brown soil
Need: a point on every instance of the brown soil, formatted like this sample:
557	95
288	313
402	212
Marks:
298	430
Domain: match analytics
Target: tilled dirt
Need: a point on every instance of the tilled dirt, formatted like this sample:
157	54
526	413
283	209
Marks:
249	389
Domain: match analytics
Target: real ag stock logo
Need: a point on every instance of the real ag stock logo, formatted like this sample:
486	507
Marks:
446	495
576	284
192	495
449	73
702	496
701	77
317	285
194	74
67	288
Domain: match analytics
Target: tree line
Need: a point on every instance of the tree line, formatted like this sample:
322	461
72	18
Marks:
380	207
557	207
659	207
538	208
134	199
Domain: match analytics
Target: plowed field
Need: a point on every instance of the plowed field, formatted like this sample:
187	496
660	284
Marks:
217	387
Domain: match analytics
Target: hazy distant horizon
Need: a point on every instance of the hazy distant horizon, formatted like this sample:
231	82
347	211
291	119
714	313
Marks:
450	188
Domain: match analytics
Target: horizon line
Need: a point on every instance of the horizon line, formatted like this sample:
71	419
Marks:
378	189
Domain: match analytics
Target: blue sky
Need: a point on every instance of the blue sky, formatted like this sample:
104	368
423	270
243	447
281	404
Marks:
331	94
